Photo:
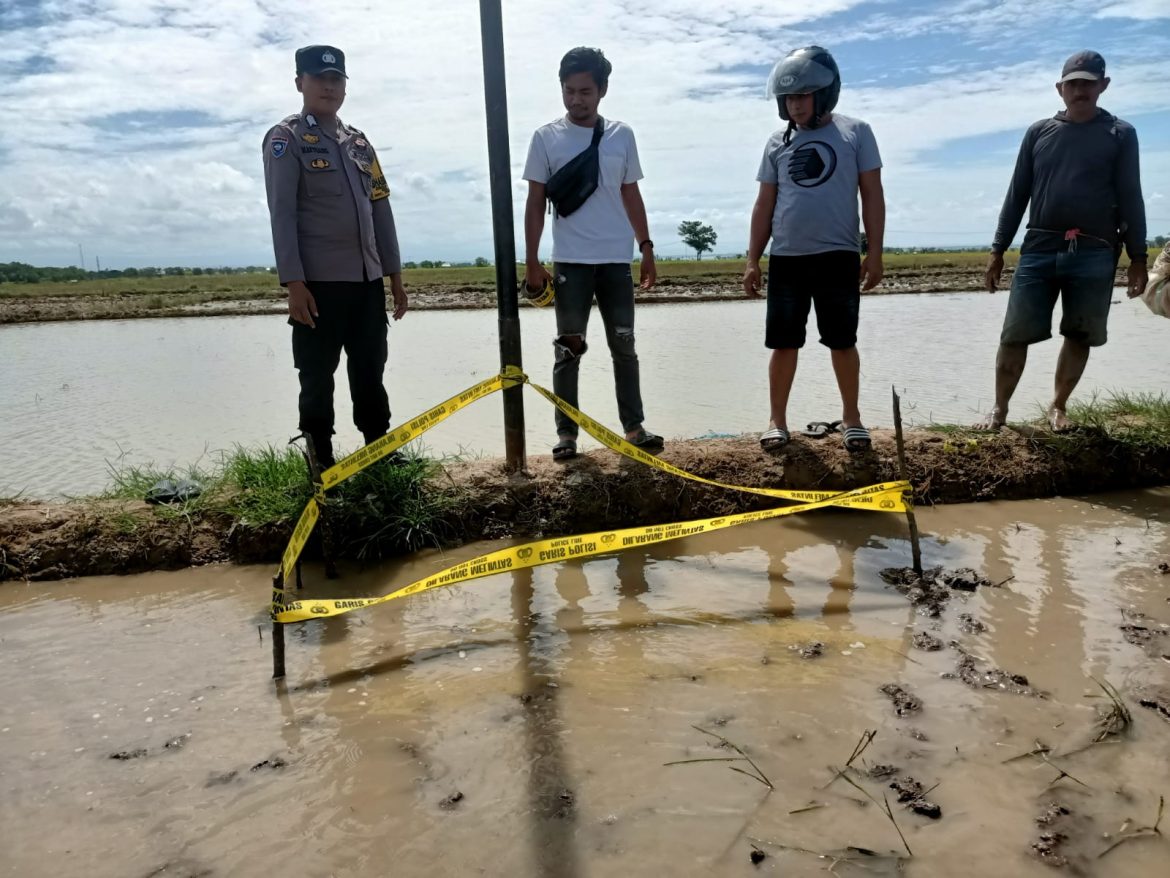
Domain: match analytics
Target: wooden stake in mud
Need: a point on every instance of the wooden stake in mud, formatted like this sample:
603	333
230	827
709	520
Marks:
915	546
277	636
323	529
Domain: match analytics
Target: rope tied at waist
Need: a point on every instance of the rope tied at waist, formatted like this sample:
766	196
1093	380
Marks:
1071	235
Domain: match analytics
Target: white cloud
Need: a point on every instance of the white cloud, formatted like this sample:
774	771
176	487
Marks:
220	73
1143	10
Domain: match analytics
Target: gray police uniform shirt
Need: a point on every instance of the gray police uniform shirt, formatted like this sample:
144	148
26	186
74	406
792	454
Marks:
329	204
816	178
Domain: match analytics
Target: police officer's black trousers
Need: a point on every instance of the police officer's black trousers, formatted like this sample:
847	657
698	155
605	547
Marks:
351	316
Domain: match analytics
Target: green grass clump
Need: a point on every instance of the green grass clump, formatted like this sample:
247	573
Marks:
388	508
1138	419
265	485
392	507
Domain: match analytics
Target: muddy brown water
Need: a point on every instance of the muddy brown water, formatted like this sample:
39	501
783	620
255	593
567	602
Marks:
519	725
79	397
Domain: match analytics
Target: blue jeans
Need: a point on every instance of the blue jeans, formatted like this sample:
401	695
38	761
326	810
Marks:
1083	279
613	285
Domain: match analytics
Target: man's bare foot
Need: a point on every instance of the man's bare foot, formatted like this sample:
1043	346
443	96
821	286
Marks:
994	420
1058	420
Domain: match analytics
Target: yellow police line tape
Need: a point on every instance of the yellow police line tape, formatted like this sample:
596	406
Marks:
887	496
891	496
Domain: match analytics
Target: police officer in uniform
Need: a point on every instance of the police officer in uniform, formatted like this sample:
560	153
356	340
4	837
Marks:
334	236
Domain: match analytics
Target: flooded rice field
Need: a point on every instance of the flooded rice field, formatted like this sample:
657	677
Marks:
563	721
81	397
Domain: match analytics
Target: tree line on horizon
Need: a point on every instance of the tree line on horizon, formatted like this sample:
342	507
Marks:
699	237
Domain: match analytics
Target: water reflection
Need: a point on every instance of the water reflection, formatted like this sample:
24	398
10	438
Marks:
212	383
551	789
551	698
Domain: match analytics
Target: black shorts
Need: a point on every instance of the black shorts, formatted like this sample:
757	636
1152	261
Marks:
831	281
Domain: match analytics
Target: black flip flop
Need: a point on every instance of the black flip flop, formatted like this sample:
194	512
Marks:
821	429
565	449
647	441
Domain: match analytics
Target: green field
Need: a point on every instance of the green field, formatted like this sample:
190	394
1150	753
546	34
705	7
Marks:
210	287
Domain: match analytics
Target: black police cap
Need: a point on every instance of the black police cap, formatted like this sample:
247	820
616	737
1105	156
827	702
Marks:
316	60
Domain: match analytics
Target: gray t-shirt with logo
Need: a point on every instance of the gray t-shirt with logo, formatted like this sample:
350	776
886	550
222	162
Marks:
816	175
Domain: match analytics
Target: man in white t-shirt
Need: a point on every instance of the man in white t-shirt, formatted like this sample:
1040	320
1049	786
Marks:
591	246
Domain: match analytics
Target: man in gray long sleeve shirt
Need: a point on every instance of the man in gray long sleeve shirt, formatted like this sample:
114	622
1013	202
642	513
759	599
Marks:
334	237
1079	170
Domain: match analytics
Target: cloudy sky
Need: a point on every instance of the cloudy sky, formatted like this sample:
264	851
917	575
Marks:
135	125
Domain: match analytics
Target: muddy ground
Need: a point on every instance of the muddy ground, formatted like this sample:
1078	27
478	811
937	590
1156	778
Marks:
599	490
428	297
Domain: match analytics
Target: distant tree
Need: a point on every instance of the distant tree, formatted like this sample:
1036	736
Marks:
426	263
410	265
173	271
197	271
1160	241
698	236
481	262
130	272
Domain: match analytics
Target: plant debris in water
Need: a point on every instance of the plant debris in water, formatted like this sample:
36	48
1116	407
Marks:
904	702
1157	700
811	650
1148	634
930	592
1047	847
969	671
124	755
913	796
968	624
926	641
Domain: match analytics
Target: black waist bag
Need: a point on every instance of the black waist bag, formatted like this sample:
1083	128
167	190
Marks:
571	186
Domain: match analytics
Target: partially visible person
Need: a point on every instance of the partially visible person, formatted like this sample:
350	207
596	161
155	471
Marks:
1079	173
335	240
810	177
1157	293
592	245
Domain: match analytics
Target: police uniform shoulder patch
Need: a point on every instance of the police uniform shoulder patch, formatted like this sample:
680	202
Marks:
278	144
378	186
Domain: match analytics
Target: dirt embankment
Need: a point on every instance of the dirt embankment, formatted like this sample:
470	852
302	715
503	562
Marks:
430	297
596	491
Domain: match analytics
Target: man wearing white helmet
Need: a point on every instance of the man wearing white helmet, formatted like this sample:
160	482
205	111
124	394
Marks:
807	205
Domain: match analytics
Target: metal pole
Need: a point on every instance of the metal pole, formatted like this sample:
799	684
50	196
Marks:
915	545
495	94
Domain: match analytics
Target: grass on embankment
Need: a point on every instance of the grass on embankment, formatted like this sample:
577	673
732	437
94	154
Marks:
258	285
1139	420
386	509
